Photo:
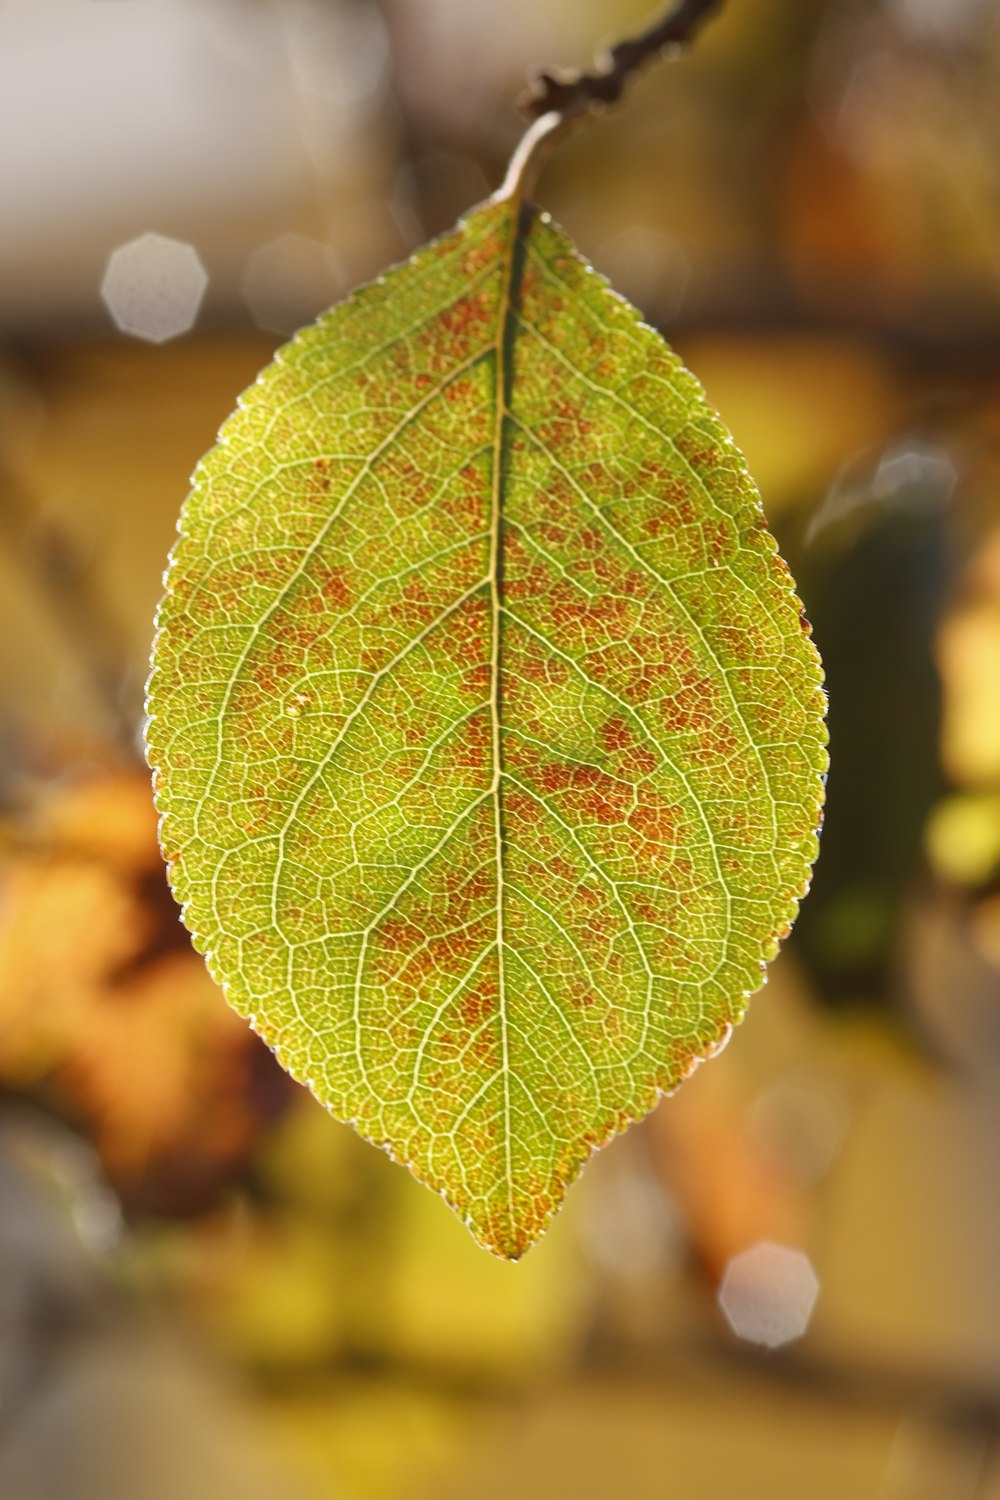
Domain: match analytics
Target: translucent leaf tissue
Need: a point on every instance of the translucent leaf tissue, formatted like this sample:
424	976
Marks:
487	735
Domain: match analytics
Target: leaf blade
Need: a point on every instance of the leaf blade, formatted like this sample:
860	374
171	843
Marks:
520	786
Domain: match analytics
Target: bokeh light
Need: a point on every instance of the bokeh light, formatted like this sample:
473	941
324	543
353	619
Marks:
153	287
797	1126
290	280
915	475
339	53
768	1293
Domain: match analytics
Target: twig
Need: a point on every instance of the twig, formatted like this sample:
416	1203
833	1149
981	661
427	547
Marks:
572	93
558	99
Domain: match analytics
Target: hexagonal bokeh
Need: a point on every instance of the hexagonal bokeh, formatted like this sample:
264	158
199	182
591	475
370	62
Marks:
768	1293
153	287
289	281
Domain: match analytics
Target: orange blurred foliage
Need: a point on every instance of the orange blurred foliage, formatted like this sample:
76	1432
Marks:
102	998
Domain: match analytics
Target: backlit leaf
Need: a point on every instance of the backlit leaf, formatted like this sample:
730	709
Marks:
488	740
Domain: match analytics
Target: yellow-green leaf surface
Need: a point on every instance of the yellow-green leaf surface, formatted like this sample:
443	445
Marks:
487	736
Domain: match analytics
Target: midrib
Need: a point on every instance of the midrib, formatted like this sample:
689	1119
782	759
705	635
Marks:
512	272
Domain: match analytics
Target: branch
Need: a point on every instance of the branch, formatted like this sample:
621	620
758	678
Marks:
572	93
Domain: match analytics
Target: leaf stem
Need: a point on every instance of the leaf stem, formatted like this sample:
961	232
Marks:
531	149
558	98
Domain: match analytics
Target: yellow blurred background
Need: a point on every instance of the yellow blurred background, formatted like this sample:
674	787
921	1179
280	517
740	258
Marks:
784	1283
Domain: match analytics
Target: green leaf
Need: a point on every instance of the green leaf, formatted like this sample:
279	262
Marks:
487	735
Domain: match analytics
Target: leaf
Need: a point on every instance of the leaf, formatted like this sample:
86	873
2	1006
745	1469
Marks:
487	737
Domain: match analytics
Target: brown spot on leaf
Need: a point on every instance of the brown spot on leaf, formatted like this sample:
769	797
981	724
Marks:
335	583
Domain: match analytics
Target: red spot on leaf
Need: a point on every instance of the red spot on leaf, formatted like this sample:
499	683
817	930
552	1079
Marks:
335	583
478	1004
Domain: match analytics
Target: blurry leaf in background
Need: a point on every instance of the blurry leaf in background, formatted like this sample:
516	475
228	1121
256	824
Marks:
100	992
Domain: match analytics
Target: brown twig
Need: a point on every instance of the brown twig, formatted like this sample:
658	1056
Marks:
572	93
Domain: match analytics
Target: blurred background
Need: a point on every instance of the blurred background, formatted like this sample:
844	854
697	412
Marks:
785	1282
